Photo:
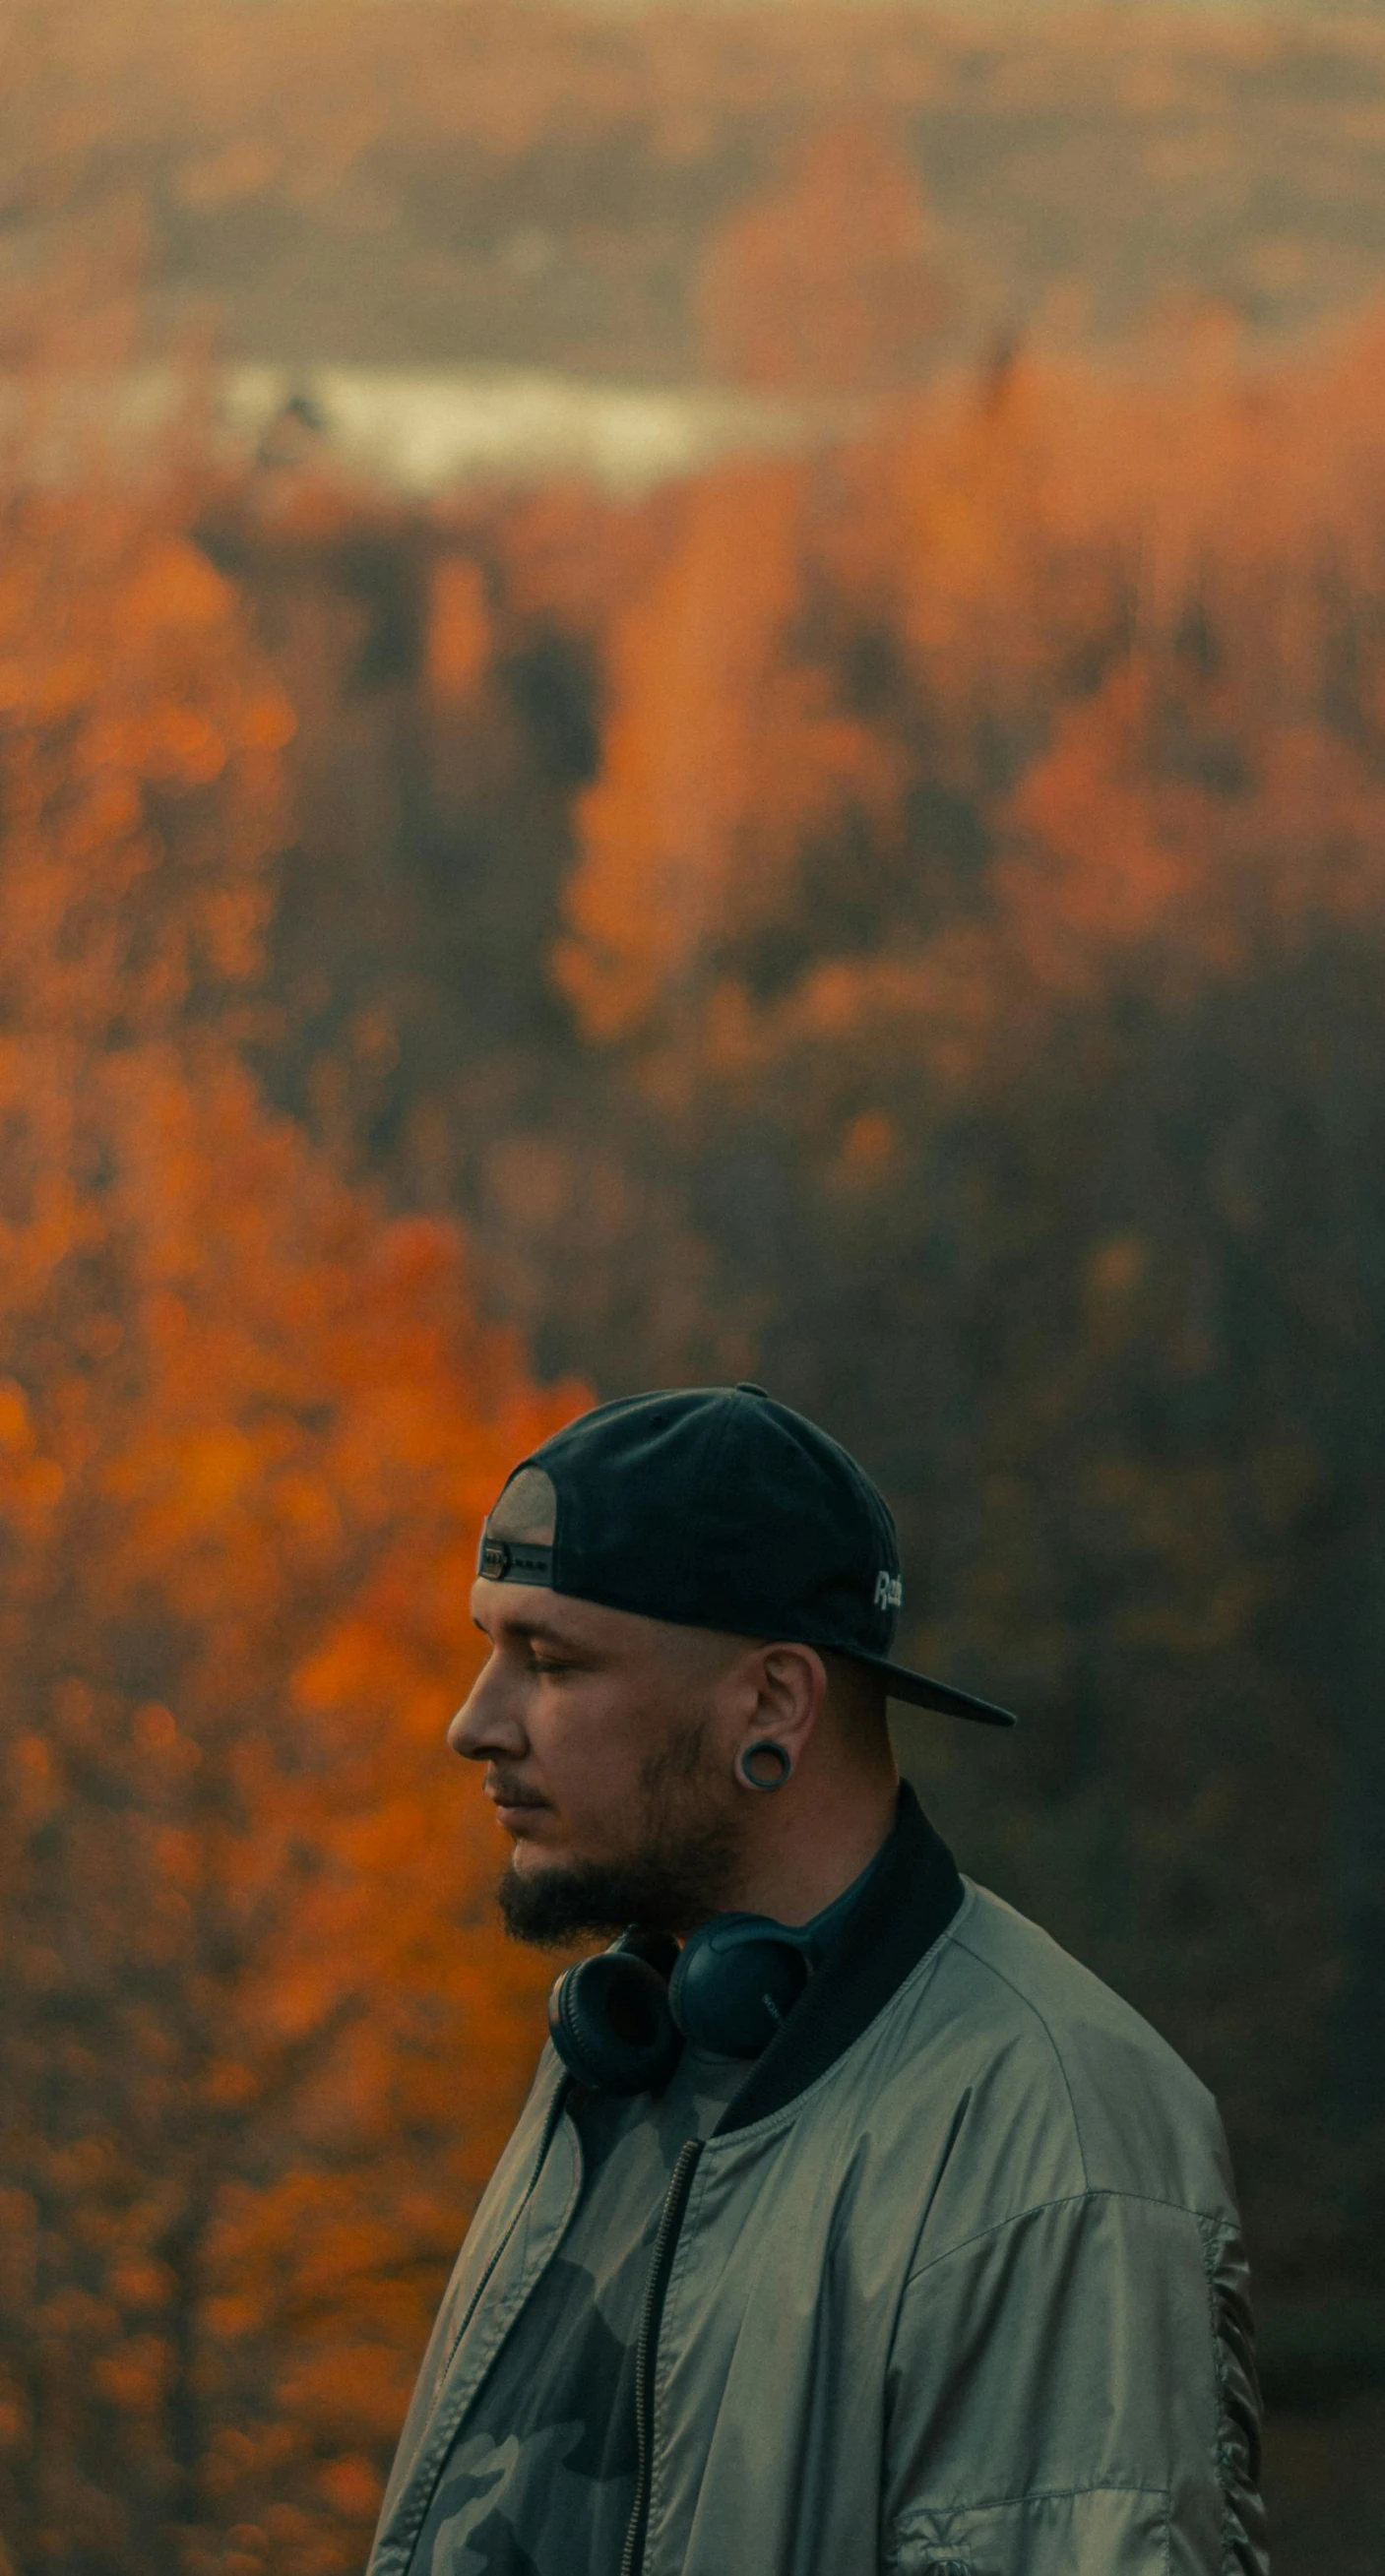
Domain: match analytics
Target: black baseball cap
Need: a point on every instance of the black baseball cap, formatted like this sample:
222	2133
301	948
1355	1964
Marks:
716	1507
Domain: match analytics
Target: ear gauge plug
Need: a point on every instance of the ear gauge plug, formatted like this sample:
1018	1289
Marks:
763	1764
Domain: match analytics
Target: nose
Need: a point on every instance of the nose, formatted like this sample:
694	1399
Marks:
487	1726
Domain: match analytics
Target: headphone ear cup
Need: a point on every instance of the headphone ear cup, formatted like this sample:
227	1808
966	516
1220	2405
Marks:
736	1980
609	2020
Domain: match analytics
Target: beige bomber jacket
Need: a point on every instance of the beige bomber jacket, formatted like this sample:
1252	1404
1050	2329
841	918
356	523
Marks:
955	2288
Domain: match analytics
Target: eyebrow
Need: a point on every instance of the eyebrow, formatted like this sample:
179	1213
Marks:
528	1628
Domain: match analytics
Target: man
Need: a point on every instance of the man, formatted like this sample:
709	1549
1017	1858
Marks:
864	2230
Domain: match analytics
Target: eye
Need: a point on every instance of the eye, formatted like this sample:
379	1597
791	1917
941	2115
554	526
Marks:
547	1664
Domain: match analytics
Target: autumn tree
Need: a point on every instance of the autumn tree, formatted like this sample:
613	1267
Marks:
830	282
257	2046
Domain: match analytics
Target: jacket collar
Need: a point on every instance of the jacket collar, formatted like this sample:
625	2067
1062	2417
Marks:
904	1907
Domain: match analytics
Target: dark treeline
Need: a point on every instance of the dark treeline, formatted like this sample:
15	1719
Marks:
471	181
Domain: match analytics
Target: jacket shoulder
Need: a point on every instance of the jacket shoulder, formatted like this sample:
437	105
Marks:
1068	2077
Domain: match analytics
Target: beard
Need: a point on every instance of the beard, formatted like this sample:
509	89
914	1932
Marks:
675	1873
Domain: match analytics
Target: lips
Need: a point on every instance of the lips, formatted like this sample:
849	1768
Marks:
512	1808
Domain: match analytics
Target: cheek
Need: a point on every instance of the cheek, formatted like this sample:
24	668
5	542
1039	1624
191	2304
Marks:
591	1747
682	1771
580	1734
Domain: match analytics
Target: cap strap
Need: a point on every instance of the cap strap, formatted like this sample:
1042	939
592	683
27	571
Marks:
509	1560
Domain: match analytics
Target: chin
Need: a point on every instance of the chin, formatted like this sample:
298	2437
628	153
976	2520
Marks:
553	1896
556	1846
527	1857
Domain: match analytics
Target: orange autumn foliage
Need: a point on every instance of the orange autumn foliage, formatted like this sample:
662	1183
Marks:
258	2045
1115	629
725	754
830	283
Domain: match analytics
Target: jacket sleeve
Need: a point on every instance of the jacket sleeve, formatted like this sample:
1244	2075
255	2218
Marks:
1072	2393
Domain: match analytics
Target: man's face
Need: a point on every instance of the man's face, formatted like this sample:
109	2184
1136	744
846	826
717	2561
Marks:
607	1742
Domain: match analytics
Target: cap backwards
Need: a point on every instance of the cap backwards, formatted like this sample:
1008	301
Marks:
715	1507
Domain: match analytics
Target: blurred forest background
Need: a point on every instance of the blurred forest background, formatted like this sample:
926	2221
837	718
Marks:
682	694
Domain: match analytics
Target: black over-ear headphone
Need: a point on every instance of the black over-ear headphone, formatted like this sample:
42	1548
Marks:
619	2021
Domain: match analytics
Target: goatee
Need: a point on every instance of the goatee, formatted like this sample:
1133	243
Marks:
663	1888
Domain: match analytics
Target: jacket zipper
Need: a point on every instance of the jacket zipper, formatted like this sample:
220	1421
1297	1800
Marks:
651	2315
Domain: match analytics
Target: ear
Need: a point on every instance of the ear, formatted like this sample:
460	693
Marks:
790	1689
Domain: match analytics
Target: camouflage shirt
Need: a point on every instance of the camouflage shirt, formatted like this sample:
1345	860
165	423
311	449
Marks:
540	2480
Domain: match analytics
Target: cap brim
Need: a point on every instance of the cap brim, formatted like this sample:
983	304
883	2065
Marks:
922	1692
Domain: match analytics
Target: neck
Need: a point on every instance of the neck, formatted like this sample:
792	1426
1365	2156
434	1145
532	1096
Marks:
811	1841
